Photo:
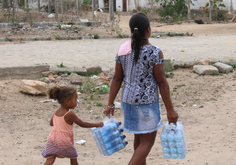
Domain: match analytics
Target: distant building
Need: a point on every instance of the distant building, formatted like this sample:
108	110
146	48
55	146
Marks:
130	5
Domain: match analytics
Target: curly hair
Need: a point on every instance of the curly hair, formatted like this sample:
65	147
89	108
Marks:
61	93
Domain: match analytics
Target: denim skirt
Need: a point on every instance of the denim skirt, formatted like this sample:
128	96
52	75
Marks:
141	119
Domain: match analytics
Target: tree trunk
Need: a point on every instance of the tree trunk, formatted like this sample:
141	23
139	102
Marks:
14	10
49	6
111	10
27	3
56	10
39	5
210	11
5	4
189	10
231	8
62	12
79	8
93	9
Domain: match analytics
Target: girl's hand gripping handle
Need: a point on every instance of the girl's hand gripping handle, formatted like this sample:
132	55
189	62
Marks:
172	116
109	110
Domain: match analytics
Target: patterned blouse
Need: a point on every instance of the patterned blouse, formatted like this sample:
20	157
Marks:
140	85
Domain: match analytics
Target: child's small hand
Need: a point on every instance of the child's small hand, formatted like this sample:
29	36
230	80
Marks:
100	124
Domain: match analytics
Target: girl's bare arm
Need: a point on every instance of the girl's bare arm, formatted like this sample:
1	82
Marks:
160	76
74	119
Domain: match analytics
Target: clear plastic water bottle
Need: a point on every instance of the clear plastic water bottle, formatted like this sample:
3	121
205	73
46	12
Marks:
117	148
179	144
171	134
108	129
174	156
171	144
164	133
178	135
167	155
166	149
173	150
115	134
115	142
182	156
164	144
181	150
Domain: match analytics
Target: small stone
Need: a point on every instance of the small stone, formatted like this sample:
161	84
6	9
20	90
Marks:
75	78
204	62
93	69
47	73
64	75
45	79
4	98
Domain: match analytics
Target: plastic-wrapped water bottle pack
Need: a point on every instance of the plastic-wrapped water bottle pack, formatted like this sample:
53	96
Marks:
109	138
173	141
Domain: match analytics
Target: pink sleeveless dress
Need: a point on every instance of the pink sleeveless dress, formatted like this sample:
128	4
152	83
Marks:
60	141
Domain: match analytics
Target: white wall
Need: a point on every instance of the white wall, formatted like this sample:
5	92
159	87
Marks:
202	3
197	4
119	5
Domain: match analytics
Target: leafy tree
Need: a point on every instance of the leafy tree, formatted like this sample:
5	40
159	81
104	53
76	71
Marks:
173	9
216	6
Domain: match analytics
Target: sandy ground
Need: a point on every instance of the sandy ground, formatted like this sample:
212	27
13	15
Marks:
215	42
102	52
205	103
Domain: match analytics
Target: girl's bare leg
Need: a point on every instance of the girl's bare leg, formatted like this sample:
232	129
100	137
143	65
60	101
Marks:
73	162
136	144
50	161
146	142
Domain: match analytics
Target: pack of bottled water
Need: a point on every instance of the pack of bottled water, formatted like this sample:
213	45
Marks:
173	141
109	138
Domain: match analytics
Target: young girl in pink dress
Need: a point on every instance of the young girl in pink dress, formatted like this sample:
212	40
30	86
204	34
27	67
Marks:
60	142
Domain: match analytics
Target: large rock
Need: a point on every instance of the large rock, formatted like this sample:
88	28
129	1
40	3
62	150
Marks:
223	68
33	87
205	69
93	69
75	78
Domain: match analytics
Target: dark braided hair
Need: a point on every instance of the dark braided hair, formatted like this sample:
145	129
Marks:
61	93
138	24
